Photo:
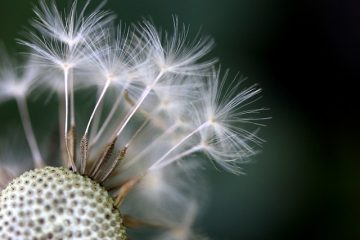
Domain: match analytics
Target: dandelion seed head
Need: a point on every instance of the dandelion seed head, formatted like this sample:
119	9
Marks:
56	203
156	110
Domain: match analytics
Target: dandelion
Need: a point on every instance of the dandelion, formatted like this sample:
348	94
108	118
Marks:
160	110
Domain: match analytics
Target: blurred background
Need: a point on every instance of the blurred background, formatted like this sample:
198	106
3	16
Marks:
306	57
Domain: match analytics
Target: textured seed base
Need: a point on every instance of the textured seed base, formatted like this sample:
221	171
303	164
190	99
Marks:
55	203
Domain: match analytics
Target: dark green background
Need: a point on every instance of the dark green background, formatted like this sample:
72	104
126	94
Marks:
305	56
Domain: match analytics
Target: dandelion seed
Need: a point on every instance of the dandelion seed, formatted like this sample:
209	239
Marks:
160	109
17	85
215	120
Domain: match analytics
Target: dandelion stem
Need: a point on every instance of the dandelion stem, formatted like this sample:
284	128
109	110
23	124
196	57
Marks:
70	152
84	144
138	156
66	76
161	162
97	117
139	102
61	98
138	131
107	120
72	97
107	84
29	132
179	156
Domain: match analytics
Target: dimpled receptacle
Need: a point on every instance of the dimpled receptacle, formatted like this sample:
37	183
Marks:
56	203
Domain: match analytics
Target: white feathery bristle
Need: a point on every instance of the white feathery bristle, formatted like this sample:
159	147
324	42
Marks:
175	53
109	55
49	53
72	29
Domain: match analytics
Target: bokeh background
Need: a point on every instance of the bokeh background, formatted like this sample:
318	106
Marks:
305	54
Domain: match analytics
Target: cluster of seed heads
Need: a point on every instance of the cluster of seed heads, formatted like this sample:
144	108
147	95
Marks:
159	112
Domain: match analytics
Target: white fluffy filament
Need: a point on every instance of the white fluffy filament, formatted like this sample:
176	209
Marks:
163	161
139	102
107	84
